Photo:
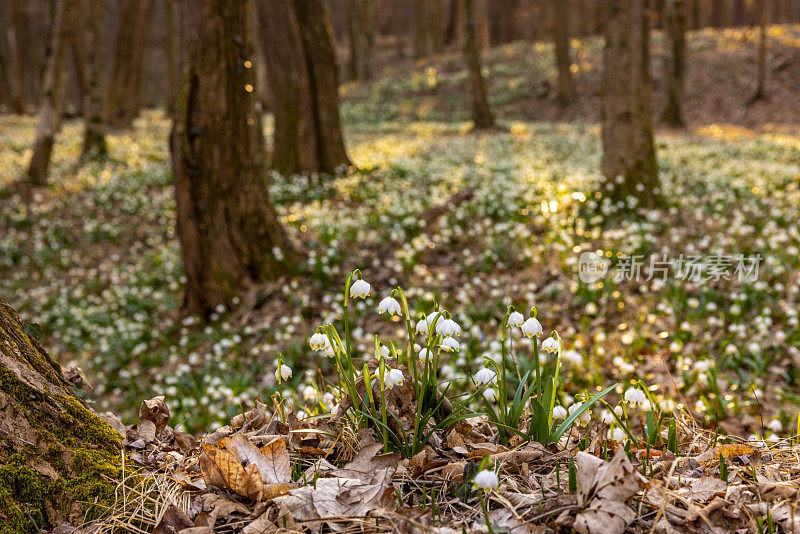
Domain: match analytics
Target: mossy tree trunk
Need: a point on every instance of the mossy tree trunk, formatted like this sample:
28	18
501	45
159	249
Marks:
361	34
629	156
56	456
481	113
52	93
94	106
304	85
566	86
675	66
126	81
229	232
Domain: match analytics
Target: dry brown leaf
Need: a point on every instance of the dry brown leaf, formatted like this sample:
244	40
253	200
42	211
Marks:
603	489
173	520
508	520
222	469
704	488
276	468
153	417
711	456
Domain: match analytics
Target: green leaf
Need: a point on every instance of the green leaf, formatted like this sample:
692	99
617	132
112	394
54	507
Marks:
577	413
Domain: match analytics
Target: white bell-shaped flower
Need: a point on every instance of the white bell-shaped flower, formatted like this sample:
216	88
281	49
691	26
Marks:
485	376
448	328
515	318
584	418
489	394
635	396
449	344
390	305
392	378
422	327
283	372
486	480
550	345
360	288
559	412
318	341
425	354
532	327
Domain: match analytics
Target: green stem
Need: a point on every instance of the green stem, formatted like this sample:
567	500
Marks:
486	512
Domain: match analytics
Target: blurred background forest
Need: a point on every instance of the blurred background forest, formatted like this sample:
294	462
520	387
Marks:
468	149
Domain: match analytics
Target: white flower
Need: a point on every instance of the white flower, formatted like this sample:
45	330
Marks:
327	350
448	328
583	418
486	480
550	345
559	412
432	316
318	341
422	326
360	288
449	344
489	394
390	304
392	378
283	372
425	354
775	425
635	396
515	319
617	434
384	351
485	376
532	327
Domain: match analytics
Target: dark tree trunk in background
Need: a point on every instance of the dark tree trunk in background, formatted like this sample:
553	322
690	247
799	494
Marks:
20	55
229	232
455	23
481	113
761	15
126	82
172	53
361	35
52	93
675	66
55	450
94	107
428	27
629	157
719	13
566	87
301	65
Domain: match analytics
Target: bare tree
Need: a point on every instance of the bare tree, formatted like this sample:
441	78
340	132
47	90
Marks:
229	232
629	156
481	113
52	93
675	66
761	13
361	34
566	86
301	65
126	81
94	107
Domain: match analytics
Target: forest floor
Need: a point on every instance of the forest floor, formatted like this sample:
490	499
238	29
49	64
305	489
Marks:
93	259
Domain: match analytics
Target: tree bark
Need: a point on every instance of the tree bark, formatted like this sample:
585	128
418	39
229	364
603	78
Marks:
361	34
481	113
629	157
566	87
173	69
126	81
94	107
20	54
761	13
52	93
304	83
675	66
229	232
54	452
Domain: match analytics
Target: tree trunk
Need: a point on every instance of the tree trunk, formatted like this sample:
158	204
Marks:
481	113
94	107
629	157
566	87
229	232
676	62
55	454
52	93
20	54
303	79
761	13
173	69
126	82
360	32
419	41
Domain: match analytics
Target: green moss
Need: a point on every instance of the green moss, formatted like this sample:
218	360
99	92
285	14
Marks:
22	497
